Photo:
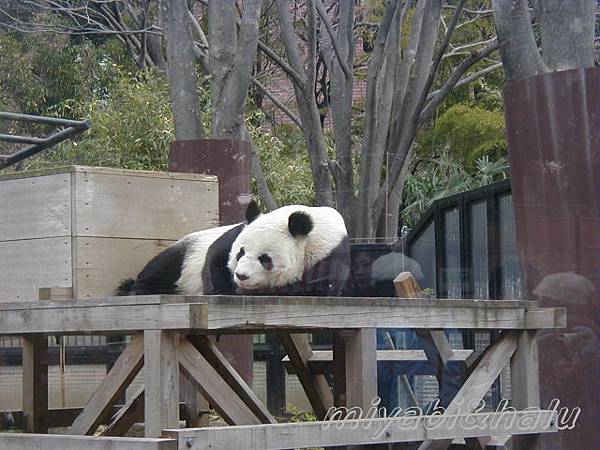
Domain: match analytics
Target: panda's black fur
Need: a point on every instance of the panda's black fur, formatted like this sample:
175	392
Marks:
163	274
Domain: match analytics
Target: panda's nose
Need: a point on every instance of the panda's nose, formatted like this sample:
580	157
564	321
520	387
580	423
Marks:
241	276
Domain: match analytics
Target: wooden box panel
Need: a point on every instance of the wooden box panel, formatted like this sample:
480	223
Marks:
145	205
101	263
89	227
29	264
35	207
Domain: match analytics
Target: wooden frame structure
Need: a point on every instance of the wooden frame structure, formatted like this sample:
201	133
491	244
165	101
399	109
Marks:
171	336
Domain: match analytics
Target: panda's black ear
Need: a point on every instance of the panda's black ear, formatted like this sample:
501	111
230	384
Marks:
252	211
300	224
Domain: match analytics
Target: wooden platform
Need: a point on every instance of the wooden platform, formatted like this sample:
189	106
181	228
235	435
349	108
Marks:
171	337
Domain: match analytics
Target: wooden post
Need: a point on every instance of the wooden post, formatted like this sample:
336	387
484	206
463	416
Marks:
35	382
355	373
407	286
35	370
161	381
361	368
276	376
524	382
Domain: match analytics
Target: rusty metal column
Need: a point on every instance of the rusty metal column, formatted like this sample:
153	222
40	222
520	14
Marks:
553	125
229	160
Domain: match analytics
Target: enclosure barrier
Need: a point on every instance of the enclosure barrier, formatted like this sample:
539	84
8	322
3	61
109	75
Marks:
170	336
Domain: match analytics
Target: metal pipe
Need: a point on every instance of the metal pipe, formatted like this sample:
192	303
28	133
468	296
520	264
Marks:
21	139
80	124
36	148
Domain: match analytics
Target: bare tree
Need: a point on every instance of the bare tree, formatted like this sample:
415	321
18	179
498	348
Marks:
402	72
566	29
404	82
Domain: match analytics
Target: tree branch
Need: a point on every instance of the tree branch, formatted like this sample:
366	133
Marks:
336	48
454	78
288	36
288	112
470	78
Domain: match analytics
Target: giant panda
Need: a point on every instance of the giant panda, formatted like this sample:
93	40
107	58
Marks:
293	250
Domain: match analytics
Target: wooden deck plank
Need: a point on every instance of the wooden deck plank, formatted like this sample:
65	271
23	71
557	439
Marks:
66	304
23	441
356	432
126	367
104	319
248	314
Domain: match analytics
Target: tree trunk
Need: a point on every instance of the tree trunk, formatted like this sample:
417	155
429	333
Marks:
339	58
232	56
519	50
181	70
567	29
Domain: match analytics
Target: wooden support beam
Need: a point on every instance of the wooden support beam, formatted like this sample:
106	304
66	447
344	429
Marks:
224	368
321	361
130	413
99	406
161	381
208	381
315	386
525	387
22	441
492	362
35	382
358	432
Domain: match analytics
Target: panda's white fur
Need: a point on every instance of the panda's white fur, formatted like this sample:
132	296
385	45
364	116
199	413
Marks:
198	244
291	256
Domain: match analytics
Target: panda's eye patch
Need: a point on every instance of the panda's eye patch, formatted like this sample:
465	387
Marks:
240	254
266	261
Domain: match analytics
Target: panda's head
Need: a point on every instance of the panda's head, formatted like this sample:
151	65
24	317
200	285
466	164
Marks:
276	248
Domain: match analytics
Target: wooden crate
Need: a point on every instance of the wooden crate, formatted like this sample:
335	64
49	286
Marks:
88	227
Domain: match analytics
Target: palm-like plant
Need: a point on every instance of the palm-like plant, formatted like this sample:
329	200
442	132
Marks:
444	176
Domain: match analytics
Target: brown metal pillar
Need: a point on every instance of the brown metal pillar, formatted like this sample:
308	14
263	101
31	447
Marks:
553	125
229	160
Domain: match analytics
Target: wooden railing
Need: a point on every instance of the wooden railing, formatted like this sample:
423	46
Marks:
170	337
